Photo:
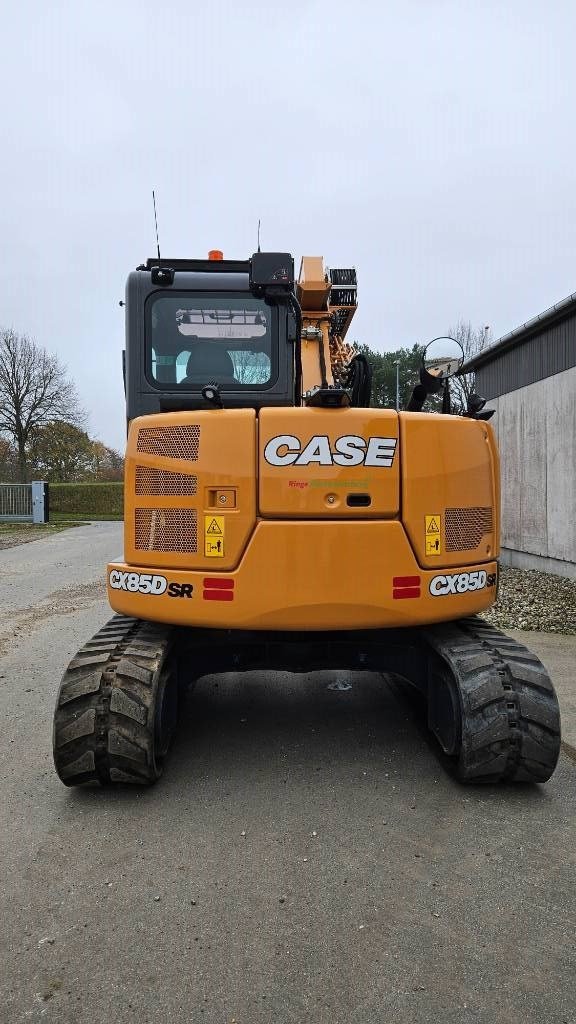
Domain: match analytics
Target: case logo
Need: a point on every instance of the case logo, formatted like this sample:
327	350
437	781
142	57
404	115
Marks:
348	450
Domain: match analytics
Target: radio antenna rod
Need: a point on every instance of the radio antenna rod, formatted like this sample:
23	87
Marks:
258	234
156	223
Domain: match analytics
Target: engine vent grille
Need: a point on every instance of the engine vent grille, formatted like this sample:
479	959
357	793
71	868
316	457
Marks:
465	527
166	529
180	442
163	482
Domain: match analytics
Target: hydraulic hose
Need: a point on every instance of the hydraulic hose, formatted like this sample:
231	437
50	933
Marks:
359	379
295	306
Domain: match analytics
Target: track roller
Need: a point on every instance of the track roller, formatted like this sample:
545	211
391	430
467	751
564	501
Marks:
117	706
491	704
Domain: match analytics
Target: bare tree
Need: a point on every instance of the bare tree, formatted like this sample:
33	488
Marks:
250	367
473	341
34	390
7	460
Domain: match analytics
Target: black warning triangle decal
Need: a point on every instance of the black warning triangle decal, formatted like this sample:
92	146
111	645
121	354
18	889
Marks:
214	528
433	527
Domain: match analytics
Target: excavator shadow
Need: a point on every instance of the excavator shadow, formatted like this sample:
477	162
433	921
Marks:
343	722
321	716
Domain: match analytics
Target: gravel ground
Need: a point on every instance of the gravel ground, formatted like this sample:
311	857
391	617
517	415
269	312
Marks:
528	599
14	534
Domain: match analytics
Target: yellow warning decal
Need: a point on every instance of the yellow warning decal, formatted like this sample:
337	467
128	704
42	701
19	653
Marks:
213	548
214	536
433	537
214	525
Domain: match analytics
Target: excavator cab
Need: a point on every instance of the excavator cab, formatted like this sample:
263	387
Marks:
193	325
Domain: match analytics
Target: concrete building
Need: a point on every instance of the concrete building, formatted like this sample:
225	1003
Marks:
529	377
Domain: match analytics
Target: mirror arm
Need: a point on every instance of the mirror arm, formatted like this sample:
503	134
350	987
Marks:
417	398
430	381
446	402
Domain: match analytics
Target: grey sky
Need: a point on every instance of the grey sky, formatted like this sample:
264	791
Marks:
430	144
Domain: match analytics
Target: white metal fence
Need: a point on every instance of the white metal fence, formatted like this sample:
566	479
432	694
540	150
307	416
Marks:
26	503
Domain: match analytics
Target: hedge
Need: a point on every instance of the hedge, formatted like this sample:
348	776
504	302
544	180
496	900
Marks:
90	501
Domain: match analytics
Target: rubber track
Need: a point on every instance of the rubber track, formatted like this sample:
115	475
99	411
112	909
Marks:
105	713
510	728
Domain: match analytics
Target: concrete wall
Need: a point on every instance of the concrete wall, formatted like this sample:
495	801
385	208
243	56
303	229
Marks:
536	429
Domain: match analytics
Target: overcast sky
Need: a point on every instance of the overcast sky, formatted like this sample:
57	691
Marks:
429	143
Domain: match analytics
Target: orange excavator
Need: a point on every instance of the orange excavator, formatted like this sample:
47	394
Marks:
273	519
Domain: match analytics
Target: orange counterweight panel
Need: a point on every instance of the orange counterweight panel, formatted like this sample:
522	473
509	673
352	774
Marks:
450	489
190	489
308	576
312	462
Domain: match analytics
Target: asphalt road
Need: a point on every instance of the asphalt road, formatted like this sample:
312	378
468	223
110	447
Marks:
304	859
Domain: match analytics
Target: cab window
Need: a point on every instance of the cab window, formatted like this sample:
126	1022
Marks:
196	339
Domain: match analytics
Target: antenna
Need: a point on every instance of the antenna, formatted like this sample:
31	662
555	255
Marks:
258	234
156	223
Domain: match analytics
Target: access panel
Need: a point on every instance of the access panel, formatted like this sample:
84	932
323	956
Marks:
190	490
329	463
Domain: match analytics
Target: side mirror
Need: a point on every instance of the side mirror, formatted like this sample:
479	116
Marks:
442	359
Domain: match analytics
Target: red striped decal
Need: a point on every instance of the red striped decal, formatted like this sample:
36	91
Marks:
403	592
218	595
406	581
218	583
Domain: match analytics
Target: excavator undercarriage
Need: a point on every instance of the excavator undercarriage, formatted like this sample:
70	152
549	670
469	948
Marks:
490	702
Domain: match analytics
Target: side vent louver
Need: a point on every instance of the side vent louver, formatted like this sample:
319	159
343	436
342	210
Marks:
159	482
465	527
179	442
162	529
